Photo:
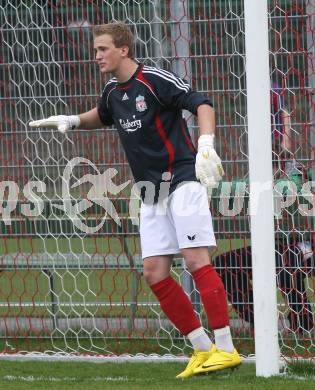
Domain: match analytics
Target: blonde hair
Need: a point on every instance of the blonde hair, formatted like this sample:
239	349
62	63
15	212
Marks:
120	33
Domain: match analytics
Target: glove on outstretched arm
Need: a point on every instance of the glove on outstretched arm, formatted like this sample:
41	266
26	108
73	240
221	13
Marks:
208	164
61	123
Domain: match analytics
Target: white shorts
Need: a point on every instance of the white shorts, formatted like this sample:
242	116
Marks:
183	220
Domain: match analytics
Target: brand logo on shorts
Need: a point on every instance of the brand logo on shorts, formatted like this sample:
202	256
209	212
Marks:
141	104
191	238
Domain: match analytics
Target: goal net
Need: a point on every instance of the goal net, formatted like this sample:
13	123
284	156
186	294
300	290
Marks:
70	266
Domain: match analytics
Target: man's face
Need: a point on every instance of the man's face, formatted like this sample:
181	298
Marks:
107	56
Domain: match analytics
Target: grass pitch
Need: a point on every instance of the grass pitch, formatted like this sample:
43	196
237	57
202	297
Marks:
144	376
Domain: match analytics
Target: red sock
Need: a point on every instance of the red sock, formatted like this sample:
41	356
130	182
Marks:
176	305
213	296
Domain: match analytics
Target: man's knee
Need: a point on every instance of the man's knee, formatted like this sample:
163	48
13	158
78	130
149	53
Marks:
156	269
196	258
151	276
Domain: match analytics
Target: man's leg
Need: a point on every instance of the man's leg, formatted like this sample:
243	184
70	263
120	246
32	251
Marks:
173	300
190	213
177	307
211	290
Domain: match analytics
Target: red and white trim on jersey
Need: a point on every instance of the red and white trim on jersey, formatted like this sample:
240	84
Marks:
144	81
112	80
108	95
187	139
164	74
169	147
158	122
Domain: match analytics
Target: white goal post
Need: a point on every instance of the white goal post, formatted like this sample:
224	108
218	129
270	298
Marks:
261	188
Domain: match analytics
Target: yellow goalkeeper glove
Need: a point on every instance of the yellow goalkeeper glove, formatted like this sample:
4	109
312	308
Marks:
209	170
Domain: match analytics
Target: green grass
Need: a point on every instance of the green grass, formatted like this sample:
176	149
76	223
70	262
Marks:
132	376
149	343
133	342
101	245
19	286
78	286
302	368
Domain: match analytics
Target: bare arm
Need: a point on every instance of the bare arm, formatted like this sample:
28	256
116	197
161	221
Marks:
206	119
90	120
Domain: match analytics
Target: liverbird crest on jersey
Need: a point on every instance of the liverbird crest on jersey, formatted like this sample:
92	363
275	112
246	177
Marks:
141	104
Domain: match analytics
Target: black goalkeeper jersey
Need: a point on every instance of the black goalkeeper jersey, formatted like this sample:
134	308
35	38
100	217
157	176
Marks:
147	112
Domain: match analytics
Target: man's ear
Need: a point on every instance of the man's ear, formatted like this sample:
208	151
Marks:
125	50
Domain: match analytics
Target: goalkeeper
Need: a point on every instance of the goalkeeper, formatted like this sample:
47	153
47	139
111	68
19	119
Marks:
145	104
